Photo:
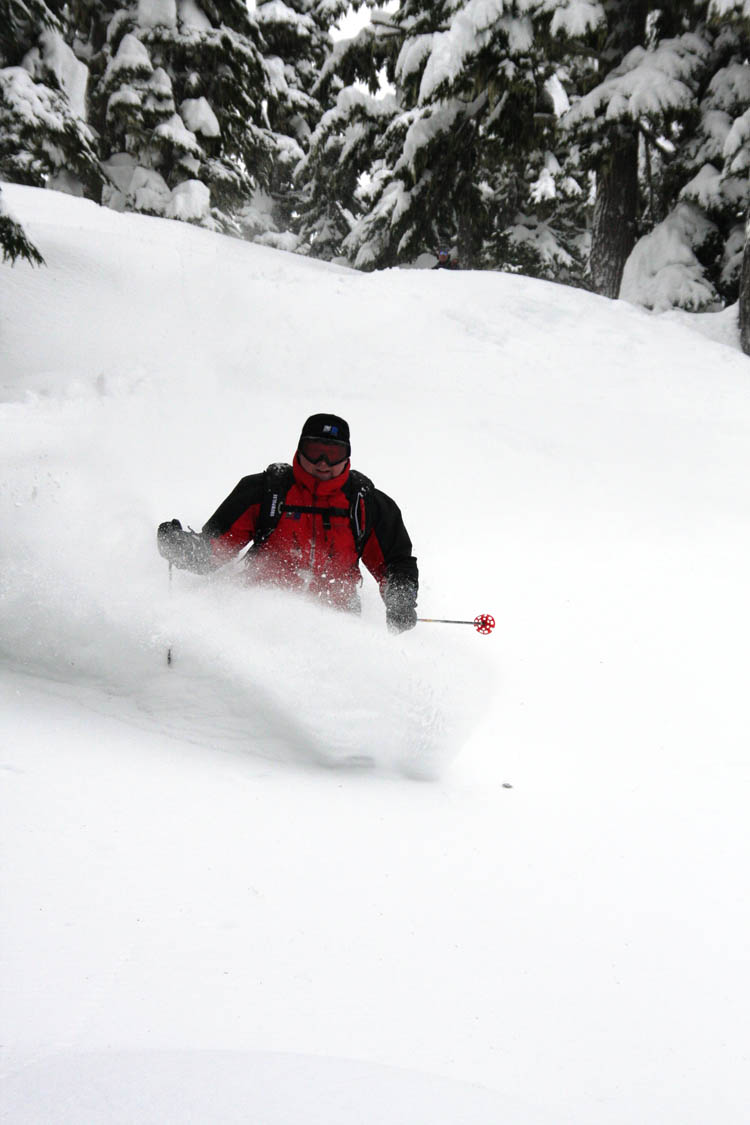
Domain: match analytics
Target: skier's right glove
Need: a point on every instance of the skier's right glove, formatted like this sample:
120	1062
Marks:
184	549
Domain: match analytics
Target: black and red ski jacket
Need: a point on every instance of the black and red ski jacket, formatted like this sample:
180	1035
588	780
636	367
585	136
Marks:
313	544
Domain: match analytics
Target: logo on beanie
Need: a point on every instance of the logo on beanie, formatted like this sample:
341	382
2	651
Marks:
331	430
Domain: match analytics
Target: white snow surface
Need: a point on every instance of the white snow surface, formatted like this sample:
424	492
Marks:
199	117
175	131
730	7
207	916
192	15
132	57
157	13
662	271
646	82
189	200
575	17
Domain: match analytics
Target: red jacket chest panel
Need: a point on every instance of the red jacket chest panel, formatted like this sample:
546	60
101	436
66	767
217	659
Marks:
316	540
314	549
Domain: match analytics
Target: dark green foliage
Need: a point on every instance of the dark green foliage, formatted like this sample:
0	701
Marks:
454	156
469	151
467	146
39	135
296	41
744	296
435	154
42	140
20	24
145	79
15	244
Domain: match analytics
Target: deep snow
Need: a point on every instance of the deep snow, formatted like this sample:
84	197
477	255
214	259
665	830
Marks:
204	921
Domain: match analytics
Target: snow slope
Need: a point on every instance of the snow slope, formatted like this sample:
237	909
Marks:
204	920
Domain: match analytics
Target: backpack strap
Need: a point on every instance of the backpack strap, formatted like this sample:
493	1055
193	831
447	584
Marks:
277	480
359	491
309	510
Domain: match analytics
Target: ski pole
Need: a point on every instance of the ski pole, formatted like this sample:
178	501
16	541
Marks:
483	623
169	649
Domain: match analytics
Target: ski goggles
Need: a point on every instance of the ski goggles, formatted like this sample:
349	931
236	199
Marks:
332	452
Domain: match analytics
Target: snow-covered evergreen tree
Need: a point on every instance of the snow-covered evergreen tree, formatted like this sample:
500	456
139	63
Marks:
344	150
694	182
44	138
641	79
714	161
654	129
744	294
453	156
346	146
180	98
297	40
737	12
14	241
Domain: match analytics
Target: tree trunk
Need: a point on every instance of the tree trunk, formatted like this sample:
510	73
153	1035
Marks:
745	294
615	213
466	239
467	210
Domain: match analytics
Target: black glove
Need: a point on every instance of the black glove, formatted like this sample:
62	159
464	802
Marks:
185	549
399	620
168	539
400	604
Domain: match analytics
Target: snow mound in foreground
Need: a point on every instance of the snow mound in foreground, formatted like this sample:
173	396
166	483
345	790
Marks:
252	669
295	680
275	1089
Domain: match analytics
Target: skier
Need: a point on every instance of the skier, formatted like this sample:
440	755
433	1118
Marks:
445	262
310	523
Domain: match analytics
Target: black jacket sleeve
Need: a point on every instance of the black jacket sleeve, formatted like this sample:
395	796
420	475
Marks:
388	551
229	529
244	497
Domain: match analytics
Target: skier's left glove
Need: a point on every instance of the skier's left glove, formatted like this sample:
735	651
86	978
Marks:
400	604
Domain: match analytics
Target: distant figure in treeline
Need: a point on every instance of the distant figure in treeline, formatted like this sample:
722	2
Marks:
445	262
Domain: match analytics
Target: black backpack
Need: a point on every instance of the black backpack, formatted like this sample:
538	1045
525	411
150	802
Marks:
278	479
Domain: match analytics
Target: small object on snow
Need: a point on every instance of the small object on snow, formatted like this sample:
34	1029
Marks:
507	785
483	622
337	761
359	761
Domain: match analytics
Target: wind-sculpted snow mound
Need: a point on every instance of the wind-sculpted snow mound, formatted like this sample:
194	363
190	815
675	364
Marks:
276	1089
255	670
251	669
289	678
86	600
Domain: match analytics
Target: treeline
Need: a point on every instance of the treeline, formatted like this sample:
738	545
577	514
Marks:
600	143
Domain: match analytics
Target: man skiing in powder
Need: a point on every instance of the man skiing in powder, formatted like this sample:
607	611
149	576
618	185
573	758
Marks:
310	523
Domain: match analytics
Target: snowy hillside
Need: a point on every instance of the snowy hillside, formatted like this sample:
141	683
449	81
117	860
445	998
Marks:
206	919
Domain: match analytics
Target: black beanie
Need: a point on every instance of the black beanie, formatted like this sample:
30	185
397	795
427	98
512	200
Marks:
327	427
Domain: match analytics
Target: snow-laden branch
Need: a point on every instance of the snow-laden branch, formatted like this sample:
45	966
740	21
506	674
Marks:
647	83
574	18
473	28
718	8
